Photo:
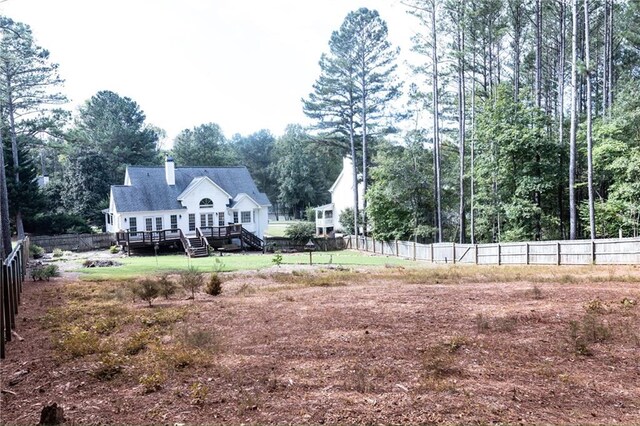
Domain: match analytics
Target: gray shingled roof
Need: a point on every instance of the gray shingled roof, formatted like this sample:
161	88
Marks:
149	190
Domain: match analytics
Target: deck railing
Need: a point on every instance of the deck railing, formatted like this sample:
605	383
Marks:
234	230
11	279
148	237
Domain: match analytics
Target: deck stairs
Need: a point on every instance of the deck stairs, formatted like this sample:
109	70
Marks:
251	240
197	248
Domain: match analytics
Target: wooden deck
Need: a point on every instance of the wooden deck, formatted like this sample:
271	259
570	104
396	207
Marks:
213	237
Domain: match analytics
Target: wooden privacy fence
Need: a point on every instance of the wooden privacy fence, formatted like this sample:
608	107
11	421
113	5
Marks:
619	251
13	272
74	242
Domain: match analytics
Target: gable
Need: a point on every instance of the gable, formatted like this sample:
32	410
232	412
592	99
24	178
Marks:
202	185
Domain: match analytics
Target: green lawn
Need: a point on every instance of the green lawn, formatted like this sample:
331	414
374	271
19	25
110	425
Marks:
276	229
136	266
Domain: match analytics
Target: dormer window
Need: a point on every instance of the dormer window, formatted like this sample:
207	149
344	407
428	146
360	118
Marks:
206	203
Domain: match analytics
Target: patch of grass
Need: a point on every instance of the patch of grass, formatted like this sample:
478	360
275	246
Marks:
535	293
200	338
110	365
595	306
438	362
137	266
589	329
164	317
76	342
137	342
152	381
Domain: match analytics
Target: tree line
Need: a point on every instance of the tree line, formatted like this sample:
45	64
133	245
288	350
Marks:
520	122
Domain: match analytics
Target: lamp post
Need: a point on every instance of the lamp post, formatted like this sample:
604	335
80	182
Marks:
310	247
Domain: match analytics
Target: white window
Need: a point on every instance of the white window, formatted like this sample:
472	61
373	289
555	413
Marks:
235	217
206	219
192	222
133	226
159	223
245	217
206	203
174	221
148	224
221	219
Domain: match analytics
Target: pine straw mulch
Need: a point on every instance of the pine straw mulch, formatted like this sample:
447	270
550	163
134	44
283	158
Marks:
336	347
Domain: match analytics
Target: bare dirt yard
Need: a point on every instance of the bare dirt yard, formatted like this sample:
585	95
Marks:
453	345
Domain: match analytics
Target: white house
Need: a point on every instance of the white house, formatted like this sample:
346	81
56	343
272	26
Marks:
194	202
328	216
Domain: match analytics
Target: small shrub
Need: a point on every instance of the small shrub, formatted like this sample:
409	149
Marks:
277	259
146	290
110	365
198	392
536	293
77	342
191	280
438	362
46	272
36	251
137	342
214	285
114	249
590	329
199	338
456	342
153	381
166	286
57	252
595	306
505	324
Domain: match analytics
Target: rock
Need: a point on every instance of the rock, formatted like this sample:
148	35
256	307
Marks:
51	415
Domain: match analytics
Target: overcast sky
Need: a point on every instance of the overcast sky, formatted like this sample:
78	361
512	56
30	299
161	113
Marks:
242	64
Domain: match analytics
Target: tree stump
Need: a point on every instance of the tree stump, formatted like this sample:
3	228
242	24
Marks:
51	415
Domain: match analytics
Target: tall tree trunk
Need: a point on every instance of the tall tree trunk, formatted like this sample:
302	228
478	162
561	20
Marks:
516	18
5	229
473	148
592	220
436	129
364	156
610	59
538	66
561	64
14	153
461	118
355	179
574	122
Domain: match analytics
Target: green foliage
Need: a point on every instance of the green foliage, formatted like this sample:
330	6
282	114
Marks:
44	273
400	200
146	289
346	220
35	251
166	286
301	171
112	129
301	231
204	145
56	224
277	259
114	249
57	252
214	285
516	163
256	152
191	280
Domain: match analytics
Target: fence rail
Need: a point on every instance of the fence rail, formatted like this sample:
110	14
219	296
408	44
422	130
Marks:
13	272
273	244
619	251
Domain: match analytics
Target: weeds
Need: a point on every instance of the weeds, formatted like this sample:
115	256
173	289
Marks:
77	342
111	364
198	393
536	293
153	381
438	362
590	329
146	289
